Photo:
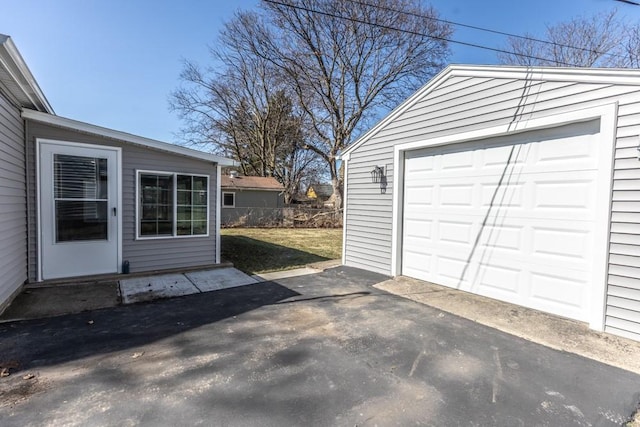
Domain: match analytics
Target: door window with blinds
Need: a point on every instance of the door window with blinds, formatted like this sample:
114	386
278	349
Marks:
80	197
172	205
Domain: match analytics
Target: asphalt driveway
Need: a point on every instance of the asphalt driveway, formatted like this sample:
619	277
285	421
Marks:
327	349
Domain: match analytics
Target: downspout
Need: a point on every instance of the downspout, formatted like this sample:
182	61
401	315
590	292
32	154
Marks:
218	209
345	202
29	207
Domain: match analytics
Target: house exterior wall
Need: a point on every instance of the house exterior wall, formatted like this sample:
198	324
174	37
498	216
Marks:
13	203
461	104
256	203
143	255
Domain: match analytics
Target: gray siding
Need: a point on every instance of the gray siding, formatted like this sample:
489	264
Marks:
143	255
256	198
13	203
464	104
252	202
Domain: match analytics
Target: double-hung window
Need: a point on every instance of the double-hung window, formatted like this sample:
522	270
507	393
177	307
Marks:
172	204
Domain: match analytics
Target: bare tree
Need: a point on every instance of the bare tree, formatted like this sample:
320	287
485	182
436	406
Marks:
243	111
345	60
631	46
594	41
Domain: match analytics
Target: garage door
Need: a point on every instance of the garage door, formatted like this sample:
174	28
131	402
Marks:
509	218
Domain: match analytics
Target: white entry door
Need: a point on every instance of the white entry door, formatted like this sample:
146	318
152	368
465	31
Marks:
510	218
78	209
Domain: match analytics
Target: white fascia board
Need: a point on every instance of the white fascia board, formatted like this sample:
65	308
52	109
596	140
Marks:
433	83
123	136
274	190
11	60
619	76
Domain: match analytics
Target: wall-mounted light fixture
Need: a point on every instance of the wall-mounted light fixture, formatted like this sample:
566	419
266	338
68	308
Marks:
379	176
376	174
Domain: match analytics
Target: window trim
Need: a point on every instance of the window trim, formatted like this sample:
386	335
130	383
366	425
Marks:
174	234
234	199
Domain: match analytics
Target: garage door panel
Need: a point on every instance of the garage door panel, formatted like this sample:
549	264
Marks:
455	232
420	196
513	222
569	150
423	259
420	164
563	194
557	291
500	279
458	195
510	195
562	244
501	157
451	269
502	237
512	170
458	161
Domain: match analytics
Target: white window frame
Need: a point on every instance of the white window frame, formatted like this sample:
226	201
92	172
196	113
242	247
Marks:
174	234
234	199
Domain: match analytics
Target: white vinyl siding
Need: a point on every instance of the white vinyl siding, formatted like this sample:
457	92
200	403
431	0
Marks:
463	104
13	203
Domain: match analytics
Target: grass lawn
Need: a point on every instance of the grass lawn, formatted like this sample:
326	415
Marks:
261	250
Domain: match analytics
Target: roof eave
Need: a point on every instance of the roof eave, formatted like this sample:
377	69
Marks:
123	136
30	94
233	187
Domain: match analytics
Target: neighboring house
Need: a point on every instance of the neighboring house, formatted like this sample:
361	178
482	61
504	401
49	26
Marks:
250	200
80	200
320	194
517	183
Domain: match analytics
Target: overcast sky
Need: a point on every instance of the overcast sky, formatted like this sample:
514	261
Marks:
114	63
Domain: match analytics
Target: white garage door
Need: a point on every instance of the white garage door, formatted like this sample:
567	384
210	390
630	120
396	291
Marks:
509	218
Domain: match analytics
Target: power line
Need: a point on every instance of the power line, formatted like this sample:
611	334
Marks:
488	30
415	33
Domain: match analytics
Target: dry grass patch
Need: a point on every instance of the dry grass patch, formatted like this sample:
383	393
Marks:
262	250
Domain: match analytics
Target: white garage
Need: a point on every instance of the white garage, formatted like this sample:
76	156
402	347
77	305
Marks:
519	184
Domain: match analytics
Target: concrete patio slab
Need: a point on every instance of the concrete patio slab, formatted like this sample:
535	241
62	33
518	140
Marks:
55	300
543	328
155	287
277	275
221	278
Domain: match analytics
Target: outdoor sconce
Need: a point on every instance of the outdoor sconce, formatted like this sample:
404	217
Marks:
378	176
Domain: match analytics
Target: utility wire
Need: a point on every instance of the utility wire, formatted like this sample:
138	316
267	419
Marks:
488	30
415	33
